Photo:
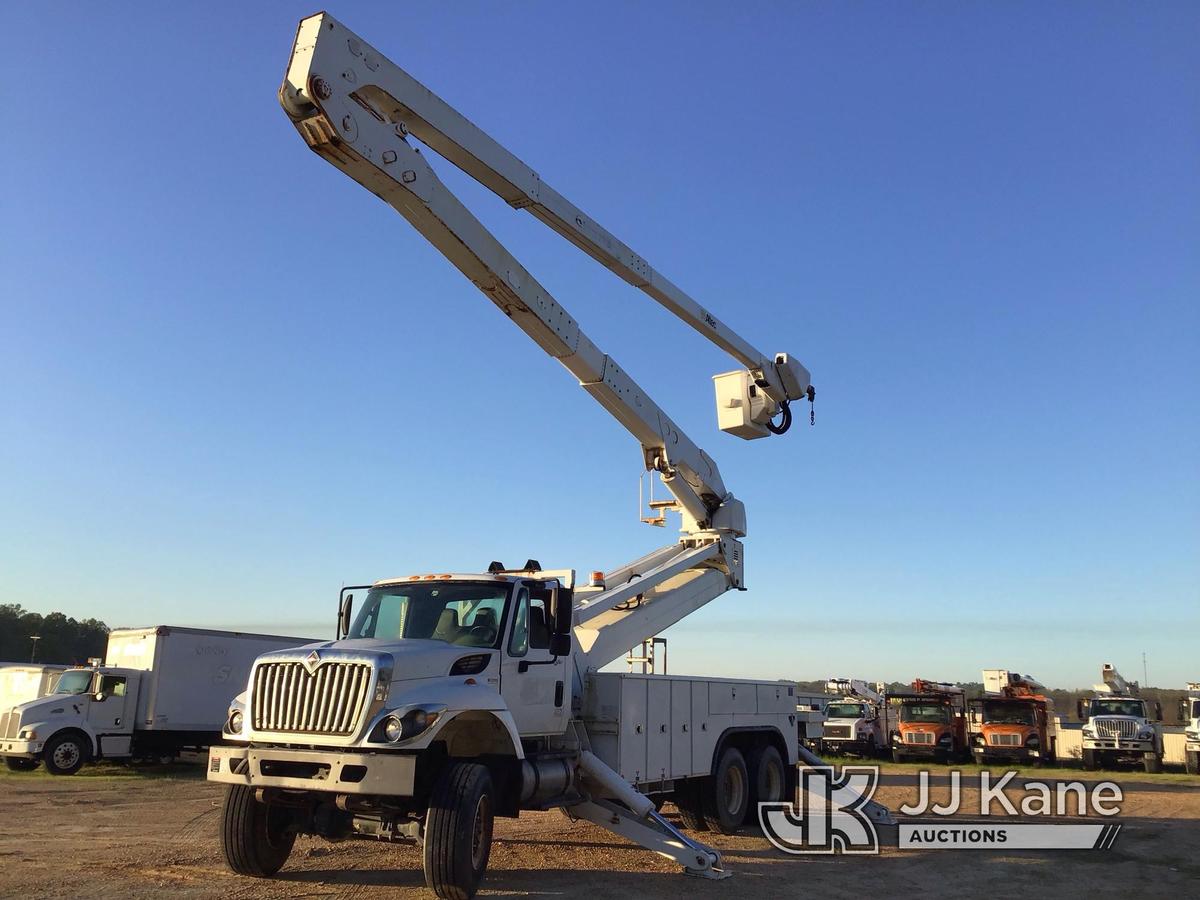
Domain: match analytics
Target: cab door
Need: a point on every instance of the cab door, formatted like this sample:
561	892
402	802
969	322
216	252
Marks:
532	682
111	712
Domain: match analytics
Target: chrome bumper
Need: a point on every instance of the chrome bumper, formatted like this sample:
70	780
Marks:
389	774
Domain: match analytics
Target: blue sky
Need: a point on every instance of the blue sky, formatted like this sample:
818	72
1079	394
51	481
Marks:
233	379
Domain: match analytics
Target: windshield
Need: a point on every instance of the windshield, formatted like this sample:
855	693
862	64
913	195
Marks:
845	711
74	681
1006	712
924	712
468	614
1119	708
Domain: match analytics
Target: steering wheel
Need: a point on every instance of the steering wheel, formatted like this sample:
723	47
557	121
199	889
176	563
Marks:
483	635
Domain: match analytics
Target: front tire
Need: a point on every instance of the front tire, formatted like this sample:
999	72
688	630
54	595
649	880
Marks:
1152	763
728	794
1089	760
20	764
65	754
899	756
458	831
255	837
1192	762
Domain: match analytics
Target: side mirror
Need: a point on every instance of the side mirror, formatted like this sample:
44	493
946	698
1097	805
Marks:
345	608
1183	711
1081	710
560	645
1157	710
561	600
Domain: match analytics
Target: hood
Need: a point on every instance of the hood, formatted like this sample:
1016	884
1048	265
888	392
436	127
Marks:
52	705
408	659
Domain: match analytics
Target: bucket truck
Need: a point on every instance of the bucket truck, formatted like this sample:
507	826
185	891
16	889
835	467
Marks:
1117	727
929	722
1189	715
1013	721
450	698
854	718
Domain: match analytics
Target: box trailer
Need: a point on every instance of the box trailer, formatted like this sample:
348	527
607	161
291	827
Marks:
161	690
21	682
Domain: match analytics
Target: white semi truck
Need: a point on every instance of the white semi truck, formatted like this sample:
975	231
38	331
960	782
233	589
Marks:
1189	715
161	690
855	718
1118	727
451	698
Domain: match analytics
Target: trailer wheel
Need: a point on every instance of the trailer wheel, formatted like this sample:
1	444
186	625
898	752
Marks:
255	837
20	764
1089	760
458	831
65	753
690	805
728	795
1153	763
1192	762
767	777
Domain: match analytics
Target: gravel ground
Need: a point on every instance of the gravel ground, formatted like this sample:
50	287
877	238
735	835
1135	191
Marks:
118	832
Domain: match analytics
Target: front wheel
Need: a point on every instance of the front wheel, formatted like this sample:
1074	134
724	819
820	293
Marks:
1153	763
255	837
1089	760
899	756
64	754
458	831
20	764
1192	762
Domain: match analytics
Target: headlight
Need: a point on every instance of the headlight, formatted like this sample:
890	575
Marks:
1033	742
977	740
27	734
397	728
235	722
1088	731
944	739
1145	734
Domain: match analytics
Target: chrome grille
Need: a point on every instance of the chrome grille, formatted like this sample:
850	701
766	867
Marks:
838	731
919	737
331	700
10	724
1116	728
1004	740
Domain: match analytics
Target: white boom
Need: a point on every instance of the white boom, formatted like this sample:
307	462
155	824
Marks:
1114	683
358	110
855	687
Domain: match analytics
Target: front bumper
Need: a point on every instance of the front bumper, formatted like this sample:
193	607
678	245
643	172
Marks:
846	745
27	749
1008	754
923	751
1116	745
330	771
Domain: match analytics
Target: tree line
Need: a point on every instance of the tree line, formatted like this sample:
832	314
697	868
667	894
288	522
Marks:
60	638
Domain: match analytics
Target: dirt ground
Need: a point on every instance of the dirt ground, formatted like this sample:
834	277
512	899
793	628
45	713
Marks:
117	832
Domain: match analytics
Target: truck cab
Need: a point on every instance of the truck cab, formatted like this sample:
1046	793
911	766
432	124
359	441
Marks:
1119	727
1012	721
1189	715
853	719
90	715
928	723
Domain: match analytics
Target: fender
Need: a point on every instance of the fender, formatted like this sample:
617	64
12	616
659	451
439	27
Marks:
56	726
464	702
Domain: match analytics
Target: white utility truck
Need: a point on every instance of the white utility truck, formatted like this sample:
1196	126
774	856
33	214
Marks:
455	697
1117	727
855	718
161	690
1189	715
21	682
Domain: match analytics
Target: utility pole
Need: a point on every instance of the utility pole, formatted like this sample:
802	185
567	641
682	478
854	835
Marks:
1145	671
33	650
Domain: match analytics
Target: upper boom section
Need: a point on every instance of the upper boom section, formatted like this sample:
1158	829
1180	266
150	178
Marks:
357	109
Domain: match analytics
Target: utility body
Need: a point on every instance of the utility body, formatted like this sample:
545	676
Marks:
855	718
450	698
1118	726
1189	715
1013	721
928	722
160	690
